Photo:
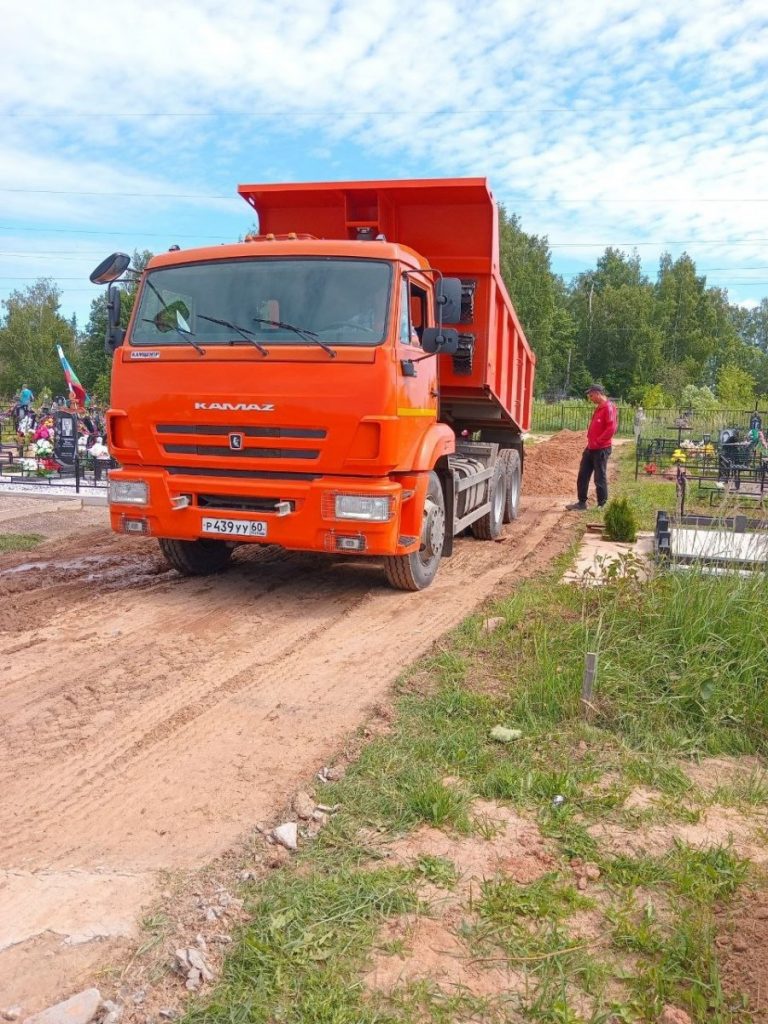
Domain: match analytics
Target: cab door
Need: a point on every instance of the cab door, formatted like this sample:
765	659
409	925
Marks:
417	392
416	371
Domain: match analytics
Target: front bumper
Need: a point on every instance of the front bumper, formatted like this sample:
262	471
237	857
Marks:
298	513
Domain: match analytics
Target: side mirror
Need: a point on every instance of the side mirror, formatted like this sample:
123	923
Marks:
115	333
443	341
111	268
448	300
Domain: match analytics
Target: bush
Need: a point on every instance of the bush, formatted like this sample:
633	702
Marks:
620	520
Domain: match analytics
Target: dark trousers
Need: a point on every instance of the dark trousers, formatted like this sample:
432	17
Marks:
593	462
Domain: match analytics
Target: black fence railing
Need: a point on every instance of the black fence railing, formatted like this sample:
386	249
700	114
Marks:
549	418
85	472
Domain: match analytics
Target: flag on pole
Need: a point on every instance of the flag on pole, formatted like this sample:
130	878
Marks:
76	389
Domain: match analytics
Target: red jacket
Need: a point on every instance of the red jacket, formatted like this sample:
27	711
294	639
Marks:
602	426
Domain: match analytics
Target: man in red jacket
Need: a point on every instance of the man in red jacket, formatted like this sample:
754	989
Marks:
595	456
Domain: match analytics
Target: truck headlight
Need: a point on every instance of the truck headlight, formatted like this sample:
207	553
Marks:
358	506
128	492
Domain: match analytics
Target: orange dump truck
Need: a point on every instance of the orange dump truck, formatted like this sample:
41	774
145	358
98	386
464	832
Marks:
352	379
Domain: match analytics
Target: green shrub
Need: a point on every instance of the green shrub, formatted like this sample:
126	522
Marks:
620	520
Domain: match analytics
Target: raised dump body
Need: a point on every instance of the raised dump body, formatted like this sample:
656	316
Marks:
454	224
351	379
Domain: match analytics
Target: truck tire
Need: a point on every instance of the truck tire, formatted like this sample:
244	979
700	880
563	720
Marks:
197	557
489	527
417	570
510	460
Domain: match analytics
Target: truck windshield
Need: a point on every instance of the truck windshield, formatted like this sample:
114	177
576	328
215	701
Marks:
274	301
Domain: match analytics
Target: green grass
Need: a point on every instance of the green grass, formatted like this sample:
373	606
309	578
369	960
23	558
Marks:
681	670
19	541
299	959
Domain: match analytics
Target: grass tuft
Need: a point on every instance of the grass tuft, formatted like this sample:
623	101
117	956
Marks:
19	541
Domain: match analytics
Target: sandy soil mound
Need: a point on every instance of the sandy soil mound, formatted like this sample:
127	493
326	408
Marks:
551	466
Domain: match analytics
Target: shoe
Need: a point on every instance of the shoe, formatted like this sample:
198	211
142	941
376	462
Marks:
601	504
577	506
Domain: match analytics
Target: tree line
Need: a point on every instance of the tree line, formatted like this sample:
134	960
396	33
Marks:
668	342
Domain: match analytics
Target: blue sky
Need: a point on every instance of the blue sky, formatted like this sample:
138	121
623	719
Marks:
637	124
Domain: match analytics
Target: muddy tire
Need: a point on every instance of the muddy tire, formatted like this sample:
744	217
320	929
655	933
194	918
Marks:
489	527
510	460
197	557
417	570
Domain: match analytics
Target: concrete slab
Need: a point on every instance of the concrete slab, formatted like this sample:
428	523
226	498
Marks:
598	557
718	545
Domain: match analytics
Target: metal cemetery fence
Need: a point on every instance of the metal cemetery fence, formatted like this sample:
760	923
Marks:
549	418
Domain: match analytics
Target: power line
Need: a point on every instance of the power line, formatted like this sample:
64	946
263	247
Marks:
112	195
512	199
523	109
633	245
90	231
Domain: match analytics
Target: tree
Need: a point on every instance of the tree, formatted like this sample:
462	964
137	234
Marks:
698	399
538	296
613	308
735	388
654	397
30	329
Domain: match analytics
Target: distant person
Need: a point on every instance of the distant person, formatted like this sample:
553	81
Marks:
25	398
594	459
639	422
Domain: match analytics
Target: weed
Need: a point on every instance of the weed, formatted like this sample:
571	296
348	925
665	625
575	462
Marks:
19	541
436	804
743	791
706	875
548	898
437	870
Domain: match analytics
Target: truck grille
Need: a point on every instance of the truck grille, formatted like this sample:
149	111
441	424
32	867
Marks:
217	430
239	503
200	439
241	453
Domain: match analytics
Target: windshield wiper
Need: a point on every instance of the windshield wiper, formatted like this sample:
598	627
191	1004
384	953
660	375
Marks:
242	331
301	331
185	332
186	335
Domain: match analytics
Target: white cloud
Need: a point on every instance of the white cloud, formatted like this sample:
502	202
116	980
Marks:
610	122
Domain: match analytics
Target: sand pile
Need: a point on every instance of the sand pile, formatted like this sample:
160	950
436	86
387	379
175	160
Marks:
551	466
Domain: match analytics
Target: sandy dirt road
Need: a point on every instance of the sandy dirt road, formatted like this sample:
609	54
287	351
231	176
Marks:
147	721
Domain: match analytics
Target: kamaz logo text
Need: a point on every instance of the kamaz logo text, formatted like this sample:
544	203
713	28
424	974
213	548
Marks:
235	406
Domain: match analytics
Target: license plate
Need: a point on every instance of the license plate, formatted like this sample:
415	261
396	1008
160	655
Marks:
235	527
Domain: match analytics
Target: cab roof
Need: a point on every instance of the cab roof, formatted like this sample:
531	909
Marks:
263	248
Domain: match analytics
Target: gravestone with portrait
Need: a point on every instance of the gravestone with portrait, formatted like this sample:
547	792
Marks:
65	437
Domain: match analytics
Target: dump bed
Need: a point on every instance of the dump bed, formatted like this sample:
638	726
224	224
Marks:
453	223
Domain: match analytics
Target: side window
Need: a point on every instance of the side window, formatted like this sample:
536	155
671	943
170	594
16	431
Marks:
413	313
405	320
418	313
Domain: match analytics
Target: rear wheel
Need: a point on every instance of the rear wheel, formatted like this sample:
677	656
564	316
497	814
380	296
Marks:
197	557
417	570
489	527
510	460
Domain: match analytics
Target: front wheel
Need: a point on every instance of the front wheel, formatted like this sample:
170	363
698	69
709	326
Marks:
417	570
197	557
